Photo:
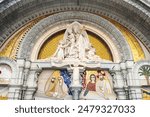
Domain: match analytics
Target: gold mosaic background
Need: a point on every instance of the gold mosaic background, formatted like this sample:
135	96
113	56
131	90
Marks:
11	48
136	48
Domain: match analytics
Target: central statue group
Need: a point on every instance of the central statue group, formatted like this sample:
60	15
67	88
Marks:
75	45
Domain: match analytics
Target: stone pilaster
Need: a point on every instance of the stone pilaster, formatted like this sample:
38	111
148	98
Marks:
14	92
31	82
118	82
133	82
16	84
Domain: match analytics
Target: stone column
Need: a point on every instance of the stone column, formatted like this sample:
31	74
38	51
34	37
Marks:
118	82
119	88
32	82
21	64
14	92
125	80
16	84
134	87
76	85
26	71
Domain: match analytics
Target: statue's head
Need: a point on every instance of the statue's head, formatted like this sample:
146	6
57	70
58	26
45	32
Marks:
76	28
69	31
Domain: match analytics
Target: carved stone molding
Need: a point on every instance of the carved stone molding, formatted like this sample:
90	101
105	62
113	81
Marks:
68	17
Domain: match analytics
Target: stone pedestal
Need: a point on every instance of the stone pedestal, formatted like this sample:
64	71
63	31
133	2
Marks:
135	93
120	92
29	94
15	92
76	92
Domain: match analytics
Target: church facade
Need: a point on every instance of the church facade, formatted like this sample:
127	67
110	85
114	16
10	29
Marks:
75	49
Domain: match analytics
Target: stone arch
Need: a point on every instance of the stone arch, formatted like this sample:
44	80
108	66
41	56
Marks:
12	64
53	21
96	7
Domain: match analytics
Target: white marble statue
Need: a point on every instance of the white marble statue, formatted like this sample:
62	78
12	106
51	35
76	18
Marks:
60	52
75	45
